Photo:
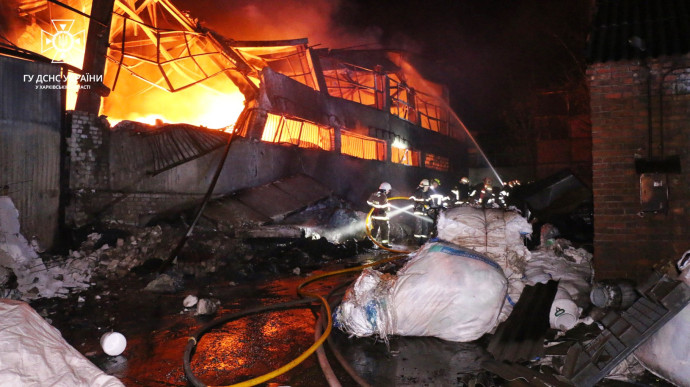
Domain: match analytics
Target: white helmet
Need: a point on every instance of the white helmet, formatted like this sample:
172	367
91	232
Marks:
424	183
385	187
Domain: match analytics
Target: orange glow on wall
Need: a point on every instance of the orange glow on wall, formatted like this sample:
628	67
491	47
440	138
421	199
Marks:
304	134
436	162
364	147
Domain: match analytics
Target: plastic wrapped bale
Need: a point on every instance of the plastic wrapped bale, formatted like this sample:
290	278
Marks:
443	291
33	353
497	233
667	352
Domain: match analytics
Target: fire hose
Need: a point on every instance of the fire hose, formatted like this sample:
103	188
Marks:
307	301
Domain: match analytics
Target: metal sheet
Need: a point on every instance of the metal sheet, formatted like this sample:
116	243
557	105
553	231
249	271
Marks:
30	123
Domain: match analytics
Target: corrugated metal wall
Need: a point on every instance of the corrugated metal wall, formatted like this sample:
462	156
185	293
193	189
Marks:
30	121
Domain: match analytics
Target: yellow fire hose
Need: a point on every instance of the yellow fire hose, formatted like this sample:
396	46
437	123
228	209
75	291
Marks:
305	302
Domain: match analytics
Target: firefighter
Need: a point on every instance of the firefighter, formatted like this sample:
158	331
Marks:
510	197
461	192
378	200
420	199
437	202
483	193
503	195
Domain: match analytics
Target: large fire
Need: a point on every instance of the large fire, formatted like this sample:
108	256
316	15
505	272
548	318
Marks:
213	107
201	93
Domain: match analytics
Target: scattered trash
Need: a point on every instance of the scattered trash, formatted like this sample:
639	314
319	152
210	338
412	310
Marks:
113	343
164	283
190	301
207	306
663	297
617	294
572	268
564	313
521	336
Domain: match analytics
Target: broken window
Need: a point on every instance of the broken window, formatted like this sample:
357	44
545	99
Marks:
361	146
283	130
436	162
405	156
352	83
291	61
400	100
431	115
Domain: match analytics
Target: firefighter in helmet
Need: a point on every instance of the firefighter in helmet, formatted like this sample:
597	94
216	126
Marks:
461	192
380	226
483	193
438	201
420	199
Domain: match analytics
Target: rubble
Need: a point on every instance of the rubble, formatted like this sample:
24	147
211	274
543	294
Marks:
190	301
207	306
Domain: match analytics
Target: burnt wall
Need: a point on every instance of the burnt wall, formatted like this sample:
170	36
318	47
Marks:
627	241
284	95
30	125
121	190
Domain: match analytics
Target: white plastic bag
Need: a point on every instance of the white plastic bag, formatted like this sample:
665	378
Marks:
444	291
33	353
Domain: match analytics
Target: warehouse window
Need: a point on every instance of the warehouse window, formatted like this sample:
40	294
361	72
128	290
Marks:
436	162
405	156
364	147
304	134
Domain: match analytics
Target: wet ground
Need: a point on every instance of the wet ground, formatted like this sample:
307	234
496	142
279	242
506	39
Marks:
157	327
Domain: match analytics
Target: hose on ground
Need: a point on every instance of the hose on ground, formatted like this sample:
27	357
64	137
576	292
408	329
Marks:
307	300
371	237
196	337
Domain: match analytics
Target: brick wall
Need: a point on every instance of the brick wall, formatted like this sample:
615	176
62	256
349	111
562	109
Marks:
628	242
95	194
86	142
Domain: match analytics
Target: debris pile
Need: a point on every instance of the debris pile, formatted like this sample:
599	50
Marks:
59	276
332	219
572	267
34	279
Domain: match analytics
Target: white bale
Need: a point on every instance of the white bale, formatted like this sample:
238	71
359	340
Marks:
496	233
33	353
444	291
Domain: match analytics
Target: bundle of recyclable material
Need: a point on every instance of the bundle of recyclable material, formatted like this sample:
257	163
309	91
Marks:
444	291
496	233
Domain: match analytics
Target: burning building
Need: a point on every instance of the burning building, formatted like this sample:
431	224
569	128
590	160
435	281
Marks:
159	97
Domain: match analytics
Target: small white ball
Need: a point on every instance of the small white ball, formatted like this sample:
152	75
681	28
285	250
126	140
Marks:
113	343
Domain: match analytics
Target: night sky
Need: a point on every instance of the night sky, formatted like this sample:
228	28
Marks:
489	53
